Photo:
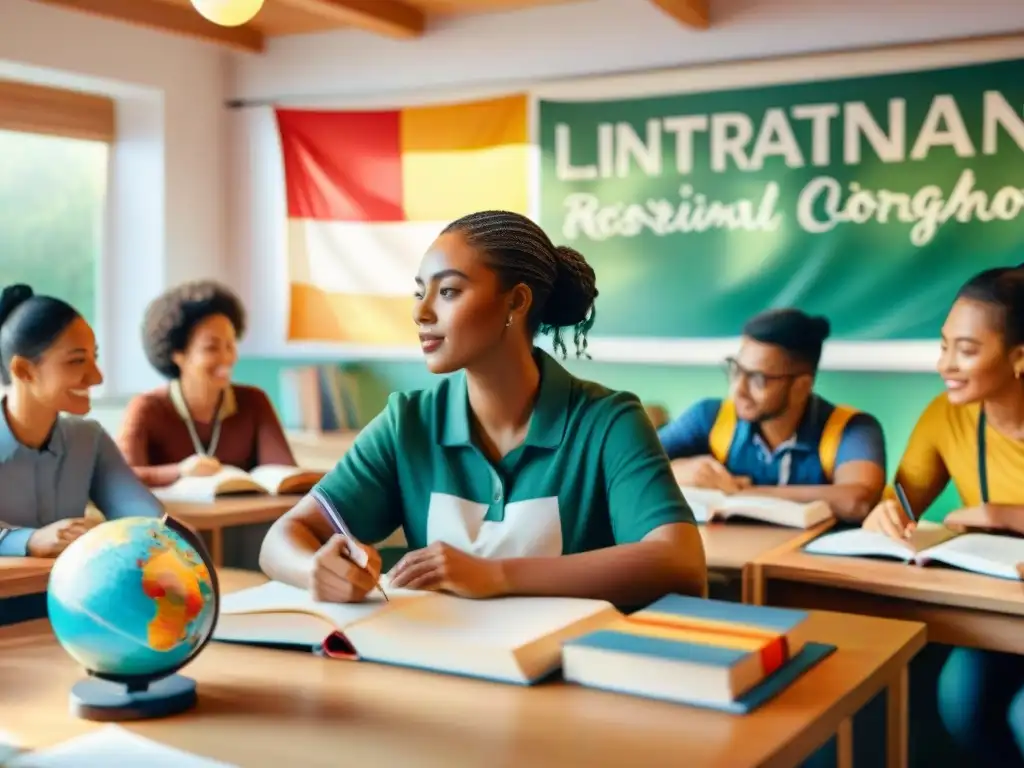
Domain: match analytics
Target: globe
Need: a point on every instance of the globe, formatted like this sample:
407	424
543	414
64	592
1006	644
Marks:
133	601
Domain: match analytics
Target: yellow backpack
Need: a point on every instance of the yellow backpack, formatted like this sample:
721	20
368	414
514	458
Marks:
722	431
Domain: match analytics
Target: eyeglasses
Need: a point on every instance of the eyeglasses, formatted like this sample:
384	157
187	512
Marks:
756	379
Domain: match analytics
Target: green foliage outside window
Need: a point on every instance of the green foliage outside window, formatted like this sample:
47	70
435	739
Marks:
52	197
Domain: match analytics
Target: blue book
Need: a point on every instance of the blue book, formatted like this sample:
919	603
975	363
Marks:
690	650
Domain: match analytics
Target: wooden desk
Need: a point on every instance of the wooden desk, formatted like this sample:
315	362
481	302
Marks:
272	708
959	608
23	575
730	546
229	511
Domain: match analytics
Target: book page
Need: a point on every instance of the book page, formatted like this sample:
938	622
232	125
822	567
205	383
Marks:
275	478
227	480
481	638
779	511
506	622
110	746
858	542
984	553
702	501
276	597
708	504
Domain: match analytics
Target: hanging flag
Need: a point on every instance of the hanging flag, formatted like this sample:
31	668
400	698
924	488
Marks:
369	191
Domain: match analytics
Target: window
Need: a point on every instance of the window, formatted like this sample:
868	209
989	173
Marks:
52	195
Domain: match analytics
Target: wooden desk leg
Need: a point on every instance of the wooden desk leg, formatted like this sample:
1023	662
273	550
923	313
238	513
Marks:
897	708
844	744
217	546
753	585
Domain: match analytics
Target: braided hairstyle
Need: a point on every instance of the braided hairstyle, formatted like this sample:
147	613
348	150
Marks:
563	284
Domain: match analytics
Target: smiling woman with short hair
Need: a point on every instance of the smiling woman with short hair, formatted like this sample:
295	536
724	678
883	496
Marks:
511	475
52	461
200	420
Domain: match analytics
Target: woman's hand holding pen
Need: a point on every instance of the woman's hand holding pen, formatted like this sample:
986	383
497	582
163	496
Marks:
889	518
335	578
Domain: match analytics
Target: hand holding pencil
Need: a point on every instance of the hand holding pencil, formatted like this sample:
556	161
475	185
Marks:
344	569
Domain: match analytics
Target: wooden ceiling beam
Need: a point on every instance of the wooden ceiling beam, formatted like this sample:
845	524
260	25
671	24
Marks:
691	13
165	17
392	18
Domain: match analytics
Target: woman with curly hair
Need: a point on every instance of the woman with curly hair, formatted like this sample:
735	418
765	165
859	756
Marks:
200	420
510	476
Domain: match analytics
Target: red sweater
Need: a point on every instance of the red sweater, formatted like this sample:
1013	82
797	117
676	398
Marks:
154	436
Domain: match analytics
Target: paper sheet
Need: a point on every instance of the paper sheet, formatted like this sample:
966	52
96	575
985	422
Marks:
112	746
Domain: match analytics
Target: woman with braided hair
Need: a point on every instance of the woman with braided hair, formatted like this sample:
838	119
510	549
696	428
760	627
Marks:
510	476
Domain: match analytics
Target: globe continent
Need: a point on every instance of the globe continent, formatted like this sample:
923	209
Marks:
131	597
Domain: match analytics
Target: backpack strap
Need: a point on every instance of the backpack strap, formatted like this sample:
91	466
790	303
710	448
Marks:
832	435
720	438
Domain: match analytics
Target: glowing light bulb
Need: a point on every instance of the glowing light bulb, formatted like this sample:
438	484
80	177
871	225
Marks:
228	13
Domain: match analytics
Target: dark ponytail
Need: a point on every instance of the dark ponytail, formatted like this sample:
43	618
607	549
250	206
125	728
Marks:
564	286
29	324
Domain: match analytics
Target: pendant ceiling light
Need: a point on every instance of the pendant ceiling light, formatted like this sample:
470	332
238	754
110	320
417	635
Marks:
228	13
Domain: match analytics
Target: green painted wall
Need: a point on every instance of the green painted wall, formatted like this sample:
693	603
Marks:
895	398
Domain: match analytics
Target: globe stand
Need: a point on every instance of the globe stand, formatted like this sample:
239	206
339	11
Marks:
105	701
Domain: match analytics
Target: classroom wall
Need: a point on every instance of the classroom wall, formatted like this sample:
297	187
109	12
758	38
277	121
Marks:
475	55
166	217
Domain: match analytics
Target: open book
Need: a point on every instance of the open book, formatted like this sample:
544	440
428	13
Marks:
710	505
273	479
509	639
984	553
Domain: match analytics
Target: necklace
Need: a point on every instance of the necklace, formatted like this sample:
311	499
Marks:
197	444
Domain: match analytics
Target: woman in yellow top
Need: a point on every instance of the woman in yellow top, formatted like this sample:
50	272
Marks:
973	434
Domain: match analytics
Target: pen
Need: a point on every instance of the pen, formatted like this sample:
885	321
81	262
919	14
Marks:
904	503
356	552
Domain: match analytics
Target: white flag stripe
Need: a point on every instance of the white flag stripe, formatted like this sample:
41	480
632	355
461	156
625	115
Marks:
374	259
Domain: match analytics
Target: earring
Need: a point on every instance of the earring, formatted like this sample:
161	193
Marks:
508	324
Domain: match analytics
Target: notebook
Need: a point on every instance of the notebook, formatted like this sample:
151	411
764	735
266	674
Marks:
984	553
110	746
510	639
695	651
272	479
709	505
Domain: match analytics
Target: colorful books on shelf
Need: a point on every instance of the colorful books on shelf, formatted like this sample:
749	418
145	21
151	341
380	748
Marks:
319	398
984	553
709	505
269	479
687	650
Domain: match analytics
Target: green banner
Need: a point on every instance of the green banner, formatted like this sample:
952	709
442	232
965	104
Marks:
869	200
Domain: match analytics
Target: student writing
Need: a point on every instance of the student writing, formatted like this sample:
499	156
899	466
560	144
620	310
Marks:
52	461
973	434
510	476
774	432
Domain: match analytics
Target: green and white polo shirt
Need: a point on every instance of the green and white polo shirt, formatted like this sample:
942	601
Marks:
591	473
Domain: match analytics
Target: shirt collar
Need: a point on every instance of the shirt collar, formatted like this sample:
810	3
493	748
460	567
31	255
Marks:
808	431
228	406
550	413
9	444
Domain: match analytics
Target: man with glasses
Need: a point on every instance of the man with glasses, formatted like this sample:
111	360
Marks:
773	432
